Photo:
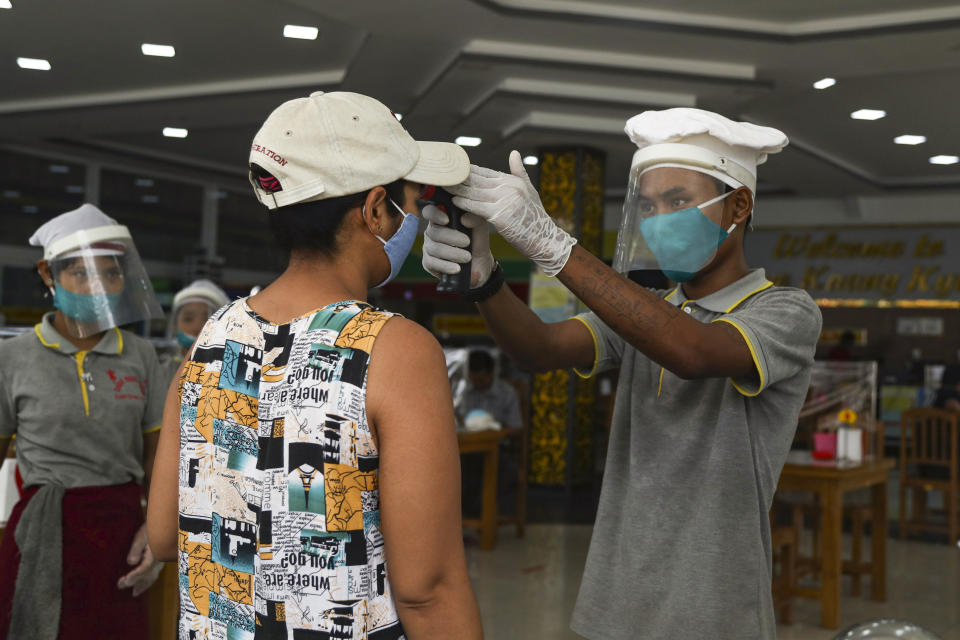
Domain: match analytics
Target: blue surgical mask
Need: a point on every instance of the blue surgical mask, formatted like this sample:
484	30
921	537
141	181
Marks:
399	245
85	308
684	241
185	340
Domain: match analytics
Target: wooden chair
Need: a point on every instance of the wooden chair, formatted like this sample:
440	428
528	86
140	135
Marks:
860	512
929	462
784	541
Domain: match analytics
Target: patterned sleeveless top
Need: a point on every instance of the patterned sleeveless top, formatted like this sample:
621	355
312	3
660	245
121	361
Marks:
279	526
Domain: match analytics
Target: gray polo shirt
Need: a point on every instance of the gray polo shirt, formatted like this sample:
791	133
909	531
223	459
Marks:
79	416
681	544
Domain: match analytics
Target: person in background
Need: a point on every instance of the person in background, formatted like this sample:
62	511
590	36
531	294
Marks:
84	399
192	306
489	394
948	395
307	476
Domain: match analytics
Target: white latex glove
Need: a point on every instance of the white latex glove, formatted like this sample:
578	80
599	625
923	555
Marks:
444	248
509	202
148	568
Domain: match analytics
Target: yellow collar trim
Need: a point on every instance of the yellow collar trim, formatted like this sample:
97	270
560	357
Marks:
36	329
764	286
56	345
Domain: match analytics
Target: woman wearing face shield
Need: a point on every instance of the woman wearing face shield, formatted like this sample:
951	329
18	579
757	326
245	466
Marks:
84	400
192	306
309	448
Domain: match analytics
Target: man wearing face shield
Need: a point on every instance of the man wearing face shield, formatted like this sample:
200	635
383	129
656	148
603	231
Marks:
84	400
713	372
309	448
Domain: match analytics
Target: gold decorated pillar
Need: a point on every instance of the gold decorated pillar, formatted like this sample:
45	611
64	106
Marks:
571	187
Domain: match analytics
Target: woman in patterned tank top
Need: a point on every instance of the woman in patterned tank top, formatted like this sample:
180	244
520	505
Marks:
307	478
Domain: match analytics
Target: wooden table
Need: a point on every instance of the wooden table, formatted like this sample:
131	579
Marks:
830	480
487	443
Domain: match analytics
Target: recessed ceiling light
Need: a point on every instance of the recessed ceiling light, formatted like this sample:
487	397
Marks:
31	208
944	160
143	182
5	4
75	188
174	132
37	64
150	199
468	141
301	33
824	83
159	50
910	139
11	193
59	168
531	160
868	114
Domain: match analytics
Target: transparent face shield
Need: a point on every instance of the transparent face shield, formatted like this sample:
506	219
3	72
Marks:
100	283
672	222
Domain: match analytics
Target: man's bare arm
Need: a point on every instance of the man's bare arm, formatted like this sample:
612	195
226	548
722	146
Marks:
685	346
535	345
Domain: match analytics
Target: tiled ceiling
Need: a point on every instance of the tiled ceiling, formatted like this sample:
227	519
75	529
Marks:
517	73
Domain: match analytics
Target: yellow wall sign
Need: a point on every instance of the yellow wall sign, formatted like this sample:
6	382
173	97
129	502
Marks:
461	325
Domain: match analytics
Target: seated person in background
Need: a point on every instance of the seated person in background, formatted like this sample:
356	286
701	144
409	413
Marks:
496	397
948	395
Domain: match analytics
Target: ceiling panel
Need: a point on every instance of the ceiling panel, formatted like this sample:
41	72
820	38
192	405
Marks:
233	67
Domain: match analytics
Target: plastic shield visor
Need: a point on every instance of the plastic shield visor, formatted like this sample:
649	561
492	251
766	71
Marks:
671	222
100	283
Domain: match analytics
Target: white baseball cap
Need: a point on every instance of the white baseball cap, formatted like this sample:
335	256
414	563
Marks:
705	141
340	143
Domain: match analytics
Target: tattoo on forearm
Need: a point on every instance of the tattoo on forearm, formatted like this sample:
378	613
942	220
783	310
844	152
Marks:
634	308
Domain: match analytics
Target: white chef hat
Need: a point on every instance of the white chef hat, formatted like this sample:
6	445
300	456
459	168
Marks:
200	291
702	140
84	230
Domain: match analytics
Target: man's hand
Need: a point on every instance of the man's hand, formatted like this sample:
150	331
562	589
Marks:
511	204
444	248
147	569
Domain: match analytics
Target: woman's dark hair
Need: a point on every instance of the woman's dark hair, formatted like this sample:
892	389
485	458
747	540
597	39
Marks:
312	227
